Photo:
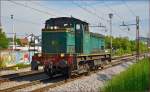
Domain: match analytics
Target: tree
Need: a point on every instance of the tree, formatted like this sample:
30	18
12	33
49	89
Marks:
18	42
133	45
122	45
4	42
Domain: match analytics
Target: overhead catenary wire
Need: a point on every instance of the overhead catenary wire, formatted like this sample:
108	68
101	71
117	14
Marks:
45	12
17	34
107	21
121	18
131	11
35	9
95	9
52	9
64	13
23	21
85	9
38	10
107	6
90	12
113	11
44	6
27	6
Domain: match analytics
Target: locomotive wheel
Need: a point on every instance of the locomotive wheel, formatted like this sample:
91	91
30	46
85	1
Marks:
96	67
102	66
87	68
49	72
34	65
67	72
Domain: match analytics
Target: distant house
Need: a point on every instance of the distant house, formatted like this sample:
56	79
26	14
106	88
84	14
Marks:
18	42
24	42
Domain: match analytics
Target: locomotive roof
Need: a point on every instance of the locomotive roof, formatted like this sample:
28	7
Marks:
97	35
60	20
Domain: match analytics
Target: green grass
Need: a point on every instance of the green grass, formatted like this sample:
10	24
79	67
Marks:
134	79
15	67
21	65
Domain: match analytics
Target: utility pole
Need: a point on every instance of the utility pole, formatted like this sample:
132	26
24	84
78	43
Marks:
137	36
0	17
15	36
110	17
149	35
0	21
12	17
34	43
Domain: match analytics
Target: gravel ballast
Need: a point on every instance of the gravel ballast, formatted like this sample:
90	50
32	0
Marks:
93	82
90	83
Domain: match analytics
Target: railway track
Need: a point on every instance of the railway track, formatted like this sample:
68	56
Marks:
23	85
6	68
35	82
10	77
115	62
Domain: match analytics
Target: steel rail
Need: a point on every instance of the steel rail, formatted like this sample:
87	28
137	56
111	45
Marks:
23	85
10	77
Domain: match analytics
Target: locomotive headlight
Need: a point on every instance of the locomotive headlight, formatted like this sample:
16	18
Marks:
70	55
62	54
39	55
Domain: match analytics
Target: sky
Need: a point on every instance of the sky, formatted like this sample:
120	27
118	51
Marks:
30	15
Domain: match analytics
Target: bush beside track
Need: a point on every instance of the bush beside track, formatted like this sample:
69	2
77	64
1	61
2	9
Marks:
134	79
18	66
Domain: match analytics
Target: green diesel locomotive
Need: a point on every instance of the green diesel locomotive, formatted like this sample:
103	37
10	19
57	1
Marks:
69	47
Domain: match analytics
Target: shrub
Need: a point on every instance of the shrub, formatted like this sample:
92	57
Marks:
134	79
